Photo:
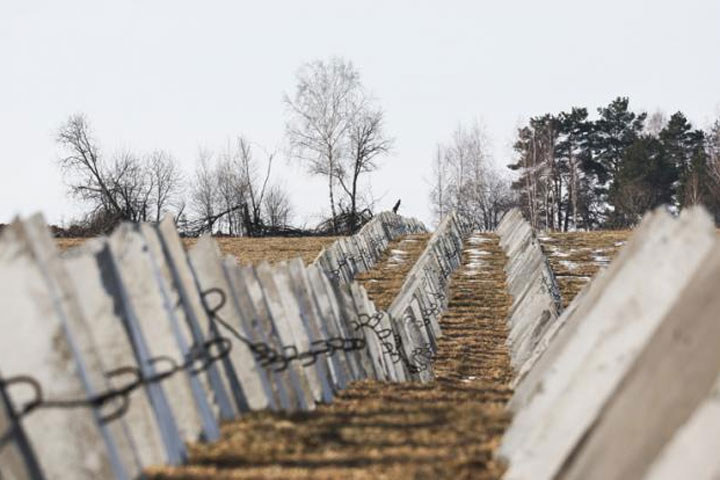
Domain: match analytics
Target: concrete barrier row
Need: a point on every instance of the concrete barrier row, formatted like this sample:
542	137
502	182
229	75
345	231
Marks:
627	384
423	295
536	298
117	354
348	256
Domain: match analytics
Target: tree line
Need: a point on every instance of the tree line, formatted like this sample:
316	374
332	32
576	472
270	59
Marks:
227	192
466	180
334	127
576	172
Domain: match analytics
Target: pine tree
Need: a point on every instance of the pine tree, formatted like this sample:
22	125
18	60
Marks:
615	131
573	153
685	149
644	180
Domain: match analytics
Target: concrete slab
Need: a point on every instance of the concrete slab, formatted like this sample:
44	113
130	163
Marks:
91	271
605	344
670	378
316	323
693	450
37	342
182	287
257	322
286	334
249	382
150	304
300	323
342	369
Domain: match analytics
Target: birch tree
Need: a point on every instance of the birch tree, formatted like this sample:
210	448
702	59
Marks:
321	112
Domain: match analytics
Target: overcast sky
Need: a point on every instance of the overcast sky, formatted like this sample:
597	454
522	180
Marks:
184	75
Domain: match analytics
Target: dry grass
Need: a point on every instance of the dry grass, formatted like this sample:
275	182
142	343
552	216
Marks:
253	250
575	257
373	430
385	280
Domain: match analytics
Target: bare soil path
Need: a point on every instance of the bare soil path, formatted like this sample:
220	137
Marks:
374	430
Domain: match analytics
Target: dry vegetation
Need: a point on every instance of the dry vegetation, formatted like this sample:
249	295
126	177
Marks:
253	250
575	257
385	280
373	430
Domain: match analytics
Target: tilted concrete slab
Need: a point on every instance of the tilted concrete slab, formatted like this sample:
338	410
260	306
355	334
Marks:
671	376
317	324
167	249
65	441
304	335
151	306
248	380
646	237
603	347
258	324
693	450
342	370
91	271
305	386
339	322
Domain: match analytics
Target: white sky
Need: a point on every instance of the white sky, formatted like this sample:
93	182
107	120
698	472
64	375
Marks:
181	75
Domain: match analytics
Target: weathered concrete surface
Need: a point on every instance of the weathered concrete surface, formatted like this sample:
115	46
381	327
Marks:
91	271
300	322
536	303
181	288
248	380
603	347
668	380
646	237
65	442
149	303
17	458
693	450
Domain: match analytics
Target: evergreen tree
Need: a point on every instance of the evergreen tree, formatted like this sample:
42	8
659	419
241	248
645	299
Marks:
540	182
685	149
573	154
578	173
615	131
644	180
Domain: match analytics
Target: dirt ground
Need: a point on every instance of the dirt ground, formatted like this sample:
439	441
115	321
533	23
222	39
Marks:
253	250
375	430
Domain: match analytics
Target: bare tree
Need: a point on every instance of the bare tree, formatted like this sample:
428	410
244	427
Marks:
466	180
439	192
712	144
204	192
166	180
367	141
126	187
131	186
322	111
278	210
255	185
83	166
229	191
